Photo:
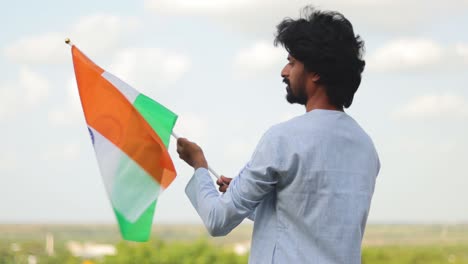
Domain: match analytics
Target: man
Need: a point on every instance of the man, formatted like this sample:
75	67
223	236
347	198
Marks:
309	183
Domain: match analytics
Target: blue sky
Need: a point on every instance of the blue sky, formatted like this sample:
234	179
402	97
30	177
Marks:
213	63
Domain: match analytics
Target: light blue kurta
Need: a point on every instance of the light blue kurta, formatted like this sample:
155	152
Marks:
308	187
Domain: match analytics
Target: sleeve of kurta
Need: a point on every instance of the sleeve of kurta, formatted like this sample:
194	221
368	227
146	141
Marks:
223	212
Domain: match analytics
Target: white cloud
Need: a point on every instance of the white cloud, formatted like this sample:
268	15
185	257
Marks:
8	99
462	50
47	47
27	92
195	6
145	67
70	112
405	15
288	116
191	126
36	87
237	149
232	13
59	117
64	116
66	152
434	106
260	57
8	162
102	32
73	96
95	34
406	54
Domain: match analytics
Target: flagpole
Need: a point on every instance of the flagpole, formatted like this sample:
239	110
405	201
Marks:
209	168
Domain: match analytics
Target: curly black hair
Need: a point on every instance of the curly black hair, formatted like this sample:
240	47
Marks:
325	43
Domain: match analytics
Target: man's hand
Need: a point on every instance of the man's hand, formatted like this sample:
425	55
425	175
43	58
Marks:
191	153
223	183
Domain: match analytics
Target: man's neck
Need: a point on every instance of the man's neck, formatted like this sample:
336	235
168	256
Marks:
320	104
318	99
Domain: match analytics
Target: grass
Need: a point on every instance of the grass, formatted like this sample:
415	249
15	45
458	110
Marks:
427	254
382	244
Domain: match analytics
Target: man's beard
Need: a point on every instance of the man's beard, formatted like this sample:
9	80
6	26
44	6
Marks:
300	98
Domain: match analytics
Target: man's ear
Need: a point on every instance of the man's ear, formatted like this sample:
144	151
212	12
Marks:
315	77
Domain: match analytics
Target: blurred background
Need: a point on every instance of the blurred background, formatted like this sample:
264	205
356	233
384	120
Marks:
214	64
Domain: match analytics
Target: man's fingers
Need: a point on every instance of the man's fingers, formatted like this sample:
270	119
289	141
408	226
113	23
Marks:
219	181
181	142
223	183
226	180
223	188
182	156
180	148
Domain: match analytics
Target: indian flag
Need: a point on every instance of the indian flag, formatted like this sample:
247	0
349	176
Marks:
130	133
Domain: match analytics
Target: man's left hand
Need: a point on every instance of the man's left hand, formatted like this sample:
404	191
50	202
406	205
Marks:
223	183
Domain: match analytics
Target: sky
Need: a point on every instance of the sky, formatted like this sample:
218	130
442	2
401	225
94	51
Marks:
214	64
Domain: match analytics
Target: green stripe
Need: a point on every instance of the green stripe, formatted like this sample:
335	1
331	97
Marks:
140	230
161	119
132	187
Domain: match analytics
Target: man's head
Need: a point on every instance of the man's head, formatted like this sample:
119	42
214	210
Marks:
323	52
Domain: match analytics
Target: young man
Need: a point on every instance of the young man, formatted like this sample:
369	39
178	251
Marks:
309	183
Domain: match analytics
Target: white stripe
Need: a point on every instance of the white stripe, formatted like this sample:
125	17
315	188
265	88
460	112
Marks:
130	188
129	92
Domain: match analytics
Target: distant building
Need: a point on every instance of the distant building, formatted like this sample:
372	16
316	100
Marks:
49	244
32	259
242	248
15	247
90	249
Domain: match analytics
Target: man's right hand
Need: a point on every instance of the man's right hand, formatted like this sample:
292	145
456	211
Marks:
223	183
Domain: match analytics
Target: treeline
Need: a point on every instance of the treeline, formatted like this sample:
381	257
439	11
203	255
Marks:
204	252
157	252
199	252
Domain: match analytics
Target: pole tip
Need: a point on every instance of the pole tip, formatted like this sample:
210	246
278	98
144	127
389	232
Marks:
67	41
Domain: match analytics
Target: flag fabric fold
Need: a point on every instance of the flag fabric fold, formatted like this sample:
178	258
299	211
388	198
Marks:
130	133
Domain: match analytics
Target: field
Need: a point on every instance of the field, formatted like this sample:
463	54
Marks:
383	244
